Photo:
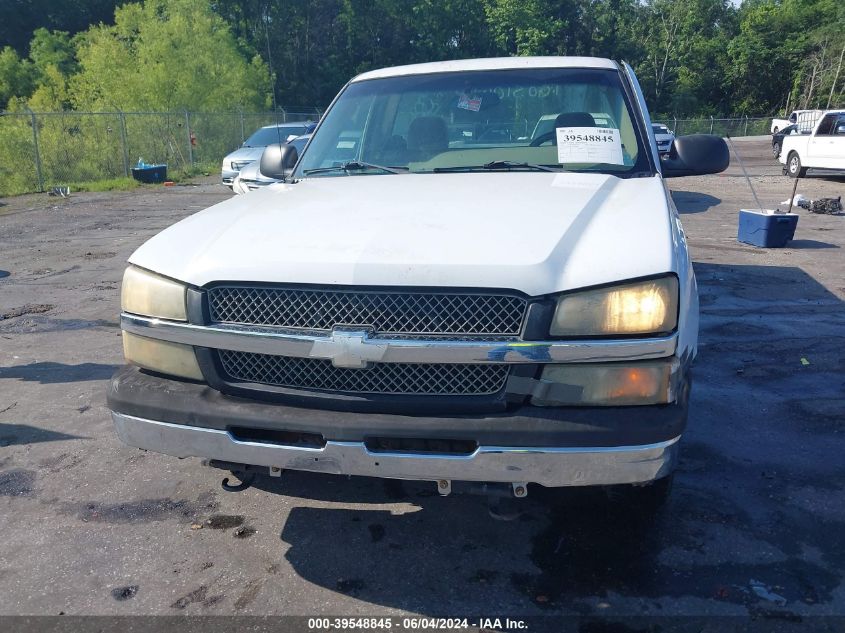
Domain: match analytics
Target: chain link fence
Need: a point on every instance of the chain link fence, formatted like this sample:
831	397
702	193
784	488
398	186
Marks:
41	150
737	126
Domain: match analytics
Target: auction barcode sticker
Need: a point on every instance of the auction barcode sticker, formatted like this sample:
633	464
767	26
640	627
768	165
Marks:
589	145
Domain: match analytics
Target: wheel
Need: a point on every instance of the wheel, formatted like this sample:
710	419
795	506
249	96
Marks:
776	150
793	166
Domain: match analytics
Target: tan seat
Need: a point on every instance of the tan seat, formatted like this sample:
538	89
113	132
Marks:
427	136
575	119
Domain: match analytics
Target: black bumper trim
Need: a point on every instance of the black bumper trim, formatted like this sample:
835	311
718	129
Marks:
137	393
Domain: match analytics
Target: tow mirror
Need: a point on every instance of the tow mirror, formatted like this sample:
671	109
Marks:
278	161
696	155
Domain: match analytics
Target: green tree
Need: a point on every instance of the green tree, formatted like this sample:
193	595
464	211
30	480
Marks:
520	27
53	48
683	65
449	29
786	54
16	78
21	18
52	93
167	55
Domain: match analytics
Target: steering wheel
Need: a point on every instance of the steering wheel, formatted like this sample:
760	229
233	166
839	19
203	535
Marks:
543	138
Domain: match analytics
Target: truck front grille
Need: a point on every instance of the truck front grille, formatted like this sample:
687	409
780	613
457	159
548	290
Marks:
379	378
422	313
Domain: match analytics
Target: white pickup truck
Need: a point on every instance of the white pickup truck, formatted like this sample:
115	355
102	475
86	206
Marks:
823	148
779	124
432	294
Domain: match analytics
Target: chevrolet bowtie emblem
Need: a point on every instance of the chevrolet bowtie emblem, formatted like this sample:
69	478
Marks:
349	349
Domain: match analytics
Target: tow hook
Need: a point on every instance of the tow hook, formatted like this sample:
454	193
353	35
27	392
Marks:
245	472
246	482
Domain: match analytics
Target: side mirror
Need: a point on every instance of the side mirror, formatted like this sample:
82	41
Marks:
278	161
696	155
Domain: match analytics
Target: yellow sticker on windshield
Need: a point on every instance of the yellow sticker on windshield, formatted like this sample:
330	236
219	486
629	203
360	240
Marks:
589	145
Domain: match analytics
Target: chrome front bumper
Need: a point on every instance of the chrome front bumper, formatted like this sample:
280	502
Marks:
548	466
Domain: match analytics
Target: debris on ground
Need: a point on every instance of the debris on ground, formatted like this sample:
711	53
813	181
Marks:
796	201
820	205
224	521
124	593
30	308
244	531
761	590
826	205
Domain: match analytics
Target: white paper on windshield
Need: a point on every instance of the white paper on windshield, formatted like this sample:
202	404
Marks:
589	145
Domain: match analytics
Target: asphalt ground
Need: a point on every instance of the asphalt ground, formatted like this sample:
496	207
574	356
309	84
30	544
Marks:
755	524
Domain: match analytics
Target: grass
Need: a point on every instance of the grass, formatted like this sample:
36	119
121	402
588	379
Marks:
122	183
108	184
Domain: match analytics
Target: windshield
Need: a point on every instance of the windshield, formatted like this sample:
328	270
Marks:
269	135
571	118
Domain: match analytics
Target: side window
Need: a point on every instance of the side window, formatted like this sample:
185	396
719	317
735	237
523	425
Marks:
827	125
339	140
840	126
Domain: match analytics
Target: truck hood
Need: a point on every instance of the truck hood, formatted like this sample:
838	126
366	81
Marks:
538	233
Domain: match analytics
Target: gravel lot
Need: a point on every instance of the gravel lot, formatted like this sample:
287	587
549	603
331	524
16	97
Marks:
756	523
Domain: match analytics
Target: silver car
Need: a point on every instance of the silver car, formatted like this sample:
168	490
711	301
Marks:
664	137
253	147
250	177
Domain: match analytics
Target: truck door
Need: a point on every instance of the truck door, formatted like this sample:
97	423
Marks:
836	146
820	145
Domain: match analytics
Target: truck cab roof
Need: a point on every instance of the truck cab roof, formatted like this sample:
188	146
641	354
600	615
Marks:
490	63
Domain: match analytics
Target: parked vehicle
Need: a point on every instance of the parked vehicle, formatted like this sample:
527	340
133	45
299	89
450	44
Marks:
663	136
823	148
408	306
252	147
777	138
250	177
779	124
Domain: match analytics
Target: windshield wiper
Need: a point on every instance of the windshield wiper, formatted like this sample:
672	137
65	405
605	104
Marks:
498	164
355	165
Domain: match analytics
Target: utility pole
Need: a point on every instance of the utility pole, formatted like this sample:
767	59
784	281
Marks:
190	139
37	153
123	142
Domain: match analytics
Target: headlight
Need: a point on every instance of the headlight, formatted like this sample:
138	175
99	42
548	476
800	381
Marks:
174	359
149	294
642	307
607	384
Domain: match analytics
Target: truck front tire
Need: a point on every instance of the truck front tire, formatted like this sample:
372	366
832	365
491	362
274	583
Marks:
793	166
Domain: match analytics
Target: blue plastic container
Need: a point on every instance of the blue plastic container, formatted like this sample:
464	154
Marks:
150	173
769	230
